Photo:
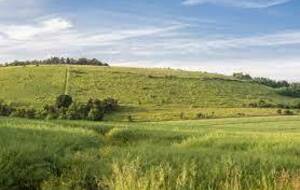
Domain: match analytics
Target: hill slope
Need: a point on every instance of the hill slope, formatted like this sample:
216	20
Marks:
138	89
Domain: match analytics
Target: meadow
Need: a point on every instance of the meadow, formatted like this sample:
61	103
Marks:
174	130
144	94
232	154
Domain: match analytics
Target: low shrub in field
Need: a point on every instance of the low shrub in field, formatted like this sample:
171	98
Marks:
205	116
262	104
285	112
265	104
288	112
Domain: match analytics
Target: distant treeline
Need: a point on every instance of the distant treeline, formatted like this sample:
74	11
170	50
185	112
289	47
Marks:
64	108
57	61
282	87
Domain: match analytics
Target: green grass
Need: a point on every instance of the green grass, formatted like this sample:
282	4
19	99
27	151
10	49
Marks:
146	94
245	153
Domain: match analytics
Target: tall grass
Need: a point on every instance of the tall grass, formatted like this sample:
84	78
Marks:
249	153
133	175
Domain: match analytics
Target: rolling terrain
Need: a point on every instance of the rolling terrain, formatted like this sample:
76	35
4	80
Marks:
223	154
165	93
193	153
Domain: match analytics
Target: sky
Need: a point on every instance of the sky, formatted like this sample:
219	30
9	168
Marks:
259	37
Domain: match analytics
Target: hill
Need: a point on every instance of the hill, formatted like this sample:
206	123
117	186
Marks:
164	93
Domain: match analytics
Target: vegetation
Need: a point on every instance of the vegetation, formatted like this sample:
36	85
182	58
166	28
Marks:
163	96
57	61
200	153
292	90
262	80
250	153
64	108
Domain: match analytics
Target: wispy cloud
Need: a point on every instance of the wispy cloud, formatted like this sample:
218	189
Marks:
58	36
238	3
28	32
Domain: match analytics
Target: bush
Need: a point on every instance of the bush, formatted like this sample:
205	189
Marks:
5	110
63	101
242	76
110	105
288	112
129	118
200	116
279	111
95	114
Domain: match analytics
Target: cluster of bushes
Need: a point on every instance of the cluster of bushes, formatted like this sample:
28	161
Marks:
13	111
283	87
205	116
242	76
65	108
262	80
293	90
265	104
58	61
285	112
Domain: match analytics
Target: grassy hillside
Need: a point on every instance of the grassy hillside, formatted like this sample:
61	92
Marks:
225	154
138	90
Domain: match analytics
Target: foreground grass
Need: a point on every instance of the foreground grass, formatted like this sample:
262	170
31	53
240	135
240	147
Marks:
248	153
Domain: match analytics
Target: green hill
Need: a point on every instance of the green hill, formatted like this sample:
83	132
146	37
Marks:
158	94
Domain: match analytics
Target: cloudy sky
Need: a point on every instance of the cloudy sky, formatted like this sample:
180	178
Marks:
260	37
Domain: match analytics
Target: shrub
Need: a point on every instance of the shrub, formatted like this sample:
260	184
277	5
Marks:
95	114
242	76
279	111
129	118
262	104
5	110
63	101
200	116
288	112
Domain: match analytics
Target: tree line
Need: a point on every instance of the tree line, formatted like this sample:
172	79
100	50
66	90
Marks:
57	61
64	108
282	87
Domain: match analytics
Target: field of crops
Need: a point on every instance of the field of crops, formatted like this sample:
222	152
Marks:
232	154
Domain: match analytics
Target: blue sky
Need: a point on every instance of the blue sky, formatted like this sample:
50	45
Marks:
260	37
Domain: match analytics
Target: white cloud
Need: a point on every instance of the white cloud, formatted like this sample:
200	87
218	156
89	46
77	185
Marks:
58	36
153	45
27	32
238	3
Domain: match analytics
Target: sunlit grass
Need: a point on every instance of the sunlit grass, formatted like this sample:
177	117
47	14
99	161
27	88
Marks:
224	154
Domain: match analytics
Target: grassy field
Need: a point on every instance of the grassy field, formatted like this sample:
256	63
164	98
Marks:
145	94
226	154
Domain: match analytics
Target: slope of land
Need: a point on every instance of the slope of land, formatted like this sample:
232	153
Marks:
167	94
224	154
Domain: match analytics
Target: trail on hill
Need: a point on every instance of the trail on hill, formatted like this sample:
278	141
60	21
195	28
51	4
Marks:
67	76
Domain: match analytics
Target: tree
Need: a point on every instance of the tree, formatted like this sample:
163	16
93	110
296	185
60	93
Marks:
242	76
63	101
